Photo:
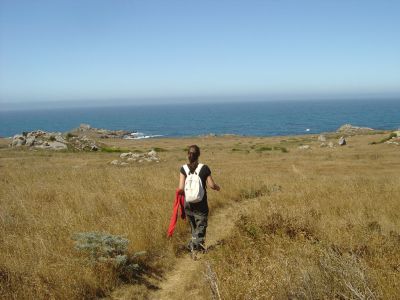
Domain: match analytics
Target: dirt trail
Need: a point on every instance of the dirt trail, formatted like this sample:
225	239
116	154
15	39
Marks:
176	282
220	226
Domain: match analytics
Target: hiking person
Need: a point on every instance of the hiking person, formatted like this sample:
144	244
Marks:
193	182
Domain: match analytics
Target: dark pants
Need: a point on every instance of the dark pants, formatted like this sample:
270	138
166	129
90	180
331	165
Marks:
198	225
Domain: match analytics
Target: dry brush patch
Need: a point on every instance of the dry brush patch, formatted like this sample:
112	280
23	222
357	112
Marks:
48	197
322	237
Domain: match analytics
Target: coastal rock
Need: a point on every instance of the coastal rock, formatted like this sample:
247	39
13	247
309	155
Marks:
129	157
152	153
60	138
40	139
18	140
125	155
93	132
349	129
342	141
52	146
30	141
321	138
330	145
115	162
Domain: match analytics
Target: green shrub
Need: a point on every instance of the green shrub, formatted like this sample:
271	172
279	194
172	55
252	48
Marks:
283	149
158	149
391	135
261	149
108	249
113	150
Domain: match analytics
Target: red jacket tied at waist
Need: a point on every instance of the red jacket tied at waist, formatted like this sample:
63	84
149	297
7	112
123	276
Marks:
179	202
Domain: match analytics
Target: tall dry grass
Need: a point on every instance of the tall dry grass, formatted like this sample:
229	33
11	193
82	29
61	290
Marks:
47	197
331	232
327	220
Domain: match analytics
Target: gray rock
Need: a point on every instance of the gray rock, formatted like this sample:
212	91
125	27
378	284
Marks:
30	141
18	140
152	153
115	162
322	138
304	147
125	155
352	130
60	138
52	146
342	141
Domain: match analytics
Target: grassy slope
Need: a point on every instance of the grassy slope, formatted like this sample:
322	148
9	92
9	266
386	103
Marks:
330	226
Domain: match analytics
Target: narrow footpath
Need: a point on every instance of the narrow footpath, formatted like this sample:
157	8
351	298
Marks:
177	282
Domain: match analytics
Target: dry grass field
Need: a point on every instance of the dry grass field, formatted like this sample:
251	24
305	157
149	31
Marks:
326	223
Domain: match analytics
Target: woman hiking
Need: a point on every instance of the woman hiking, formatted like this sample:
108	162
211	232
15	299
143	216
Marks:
193	182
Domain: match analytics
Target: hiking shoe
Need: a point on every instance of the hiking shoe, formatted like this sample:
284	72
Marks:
202	248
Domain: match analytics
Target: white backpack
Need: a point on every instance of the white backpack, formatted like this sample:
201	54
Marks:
194	190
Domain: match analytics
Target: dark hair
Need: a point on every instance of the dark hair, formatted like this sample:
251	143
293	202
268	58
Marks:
194	162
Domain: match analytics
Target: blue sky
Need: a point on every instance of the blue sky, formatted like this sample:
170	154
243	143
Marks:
147	50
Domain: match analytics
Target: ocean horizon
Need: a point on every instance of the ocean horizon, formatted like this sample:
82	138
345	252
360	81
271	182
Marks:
273	118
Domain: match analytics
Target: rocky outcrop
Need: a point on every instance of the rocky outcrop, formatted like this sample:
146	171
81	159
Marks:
129	157
40	139
349	129
87	130
342	141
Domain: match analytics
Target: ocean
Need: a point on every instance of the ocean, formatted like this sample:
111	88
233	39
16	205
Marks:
247	119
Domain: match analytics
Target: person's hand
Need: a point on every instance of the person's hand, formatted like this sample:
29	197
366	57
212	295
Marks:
181	192
217	188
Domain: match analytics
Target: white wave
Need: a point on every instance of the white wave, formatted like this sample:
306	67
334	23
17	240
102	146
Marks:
139	136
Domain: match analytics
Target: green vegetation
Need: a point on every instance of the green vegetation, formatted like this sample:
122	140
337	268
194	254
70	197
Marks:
158	149
113	149
70	135
262	149
385	139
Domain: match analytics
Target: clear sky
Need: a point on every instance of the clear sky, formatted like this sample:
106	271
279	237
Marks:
67	50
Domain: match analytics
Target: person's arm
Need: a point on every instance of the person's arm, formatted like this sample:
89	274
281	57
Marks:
212	184
181	182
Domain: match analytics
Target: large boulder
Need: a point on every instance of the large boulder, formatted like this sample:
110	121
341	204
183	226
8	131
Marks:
18	140
349	129
152	153
52	146
30	141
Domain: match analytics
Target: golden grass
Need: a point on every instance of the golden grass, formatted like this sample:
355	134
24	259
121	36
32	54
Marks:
327	224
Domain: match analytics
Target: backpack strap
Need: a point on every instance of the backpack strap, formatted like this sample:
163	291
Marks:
186	168
197	171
